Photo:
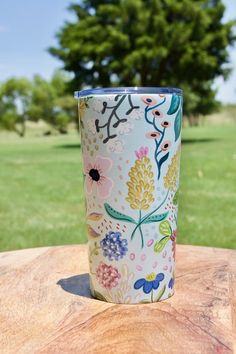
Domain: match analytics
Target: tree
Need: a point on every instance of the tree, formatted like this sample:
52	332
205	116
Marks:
50	103
22	100
148	43
64	104
15	95
42	100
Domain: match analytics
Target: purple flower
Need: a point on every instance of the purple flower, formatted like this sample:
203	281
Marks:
152	281
113	246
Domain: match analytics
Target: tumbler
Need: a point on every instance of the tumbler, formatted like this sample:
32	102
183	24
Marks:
131	141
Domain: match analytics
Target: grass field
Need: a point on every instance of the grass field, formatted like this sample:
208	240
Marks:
41	201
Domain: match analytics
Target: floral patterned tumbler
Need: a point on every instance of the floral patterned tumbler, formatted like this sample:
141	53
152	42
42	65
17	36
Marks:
130	140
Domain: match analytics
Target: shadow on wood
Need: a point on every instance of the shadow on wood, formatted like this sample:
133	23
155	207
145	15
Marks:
77	285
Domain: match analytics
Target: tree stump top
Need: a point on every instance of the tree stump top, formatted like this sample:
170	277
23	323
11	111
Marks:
46	307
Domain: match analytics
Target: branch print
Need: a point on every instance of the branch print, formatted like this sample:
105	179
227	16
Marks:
153	116
114	119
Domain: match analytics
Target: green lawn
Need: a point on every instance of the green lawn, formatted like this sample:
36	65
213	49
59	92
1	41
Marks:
41	200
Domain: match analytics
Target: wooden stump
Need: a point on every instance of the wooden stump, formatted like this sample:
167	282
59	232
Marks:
45	306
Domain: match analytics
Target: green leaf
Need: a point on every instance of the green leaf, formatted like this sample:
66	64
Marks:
117	215
165	228
176	198
163	159
178	124
160	294
155	218
99	296
174	105
159	245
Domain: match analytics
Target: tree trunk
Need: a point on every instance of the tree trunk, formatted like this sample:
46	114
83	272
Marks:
21	130
193	120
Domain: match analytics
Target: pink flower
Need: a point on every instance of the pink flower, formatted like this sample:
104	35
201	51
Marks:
152	135
166	145
95	175
142	152
157	113
107	275
150	101
165	124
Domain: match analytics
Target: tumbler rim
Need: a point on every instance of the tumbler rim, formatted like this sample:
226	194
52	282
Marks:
128	90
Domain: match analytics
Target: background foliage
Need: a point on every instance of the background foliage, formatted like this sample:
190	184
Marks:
41	188
181	43
22	100
149	43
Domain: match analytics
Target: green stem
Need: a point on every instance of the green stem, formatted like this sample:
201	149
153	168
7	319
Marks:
140	228
146	216
93	250
152	296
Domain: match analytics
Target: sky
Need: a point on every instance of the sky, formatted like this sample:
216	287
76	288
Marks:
28	28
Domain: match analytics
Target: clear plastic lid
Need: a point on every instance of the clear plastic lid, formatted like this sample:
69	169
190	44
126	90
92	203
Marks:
128	90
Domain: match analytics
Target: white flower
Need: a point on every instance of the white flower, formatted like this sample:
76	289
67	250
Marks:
124	128
137	114
91	126
97	105
115	145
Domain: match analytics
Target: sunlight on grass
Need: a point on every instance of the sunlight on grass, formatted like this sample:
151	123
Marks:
41	189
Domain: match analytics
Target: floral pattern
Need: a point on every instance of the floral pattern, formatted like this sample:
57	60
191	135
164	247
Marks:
95	175
114	118
152	281
83	105
131	157
113	246
107	275
141	183
165	230
171	178
153	116
140	195
125	128
115	146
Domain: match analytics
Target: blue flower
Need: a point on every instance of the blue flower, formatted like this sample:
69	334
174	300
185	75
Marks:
114	247
152	281
171	283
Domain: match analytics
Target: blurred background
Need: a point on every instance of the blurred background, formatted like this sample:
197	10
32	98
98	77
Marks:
50	48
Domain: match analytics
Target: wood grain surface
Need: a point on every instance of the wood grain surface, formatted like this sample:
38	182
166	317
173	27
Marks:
46	307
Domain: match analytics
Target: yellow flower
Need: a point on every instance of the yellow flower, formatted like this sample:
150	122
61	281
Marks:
172	176
82	107
151	276
141	184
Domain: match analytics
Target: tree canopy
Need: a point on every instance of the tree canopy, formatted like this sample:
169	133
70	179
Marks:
38	99
148	43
